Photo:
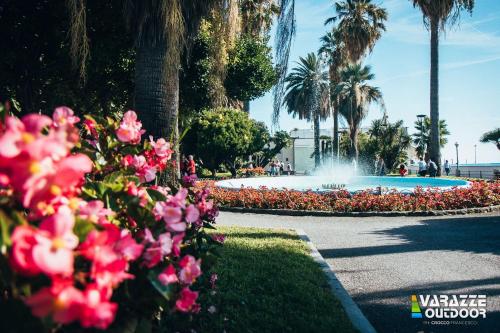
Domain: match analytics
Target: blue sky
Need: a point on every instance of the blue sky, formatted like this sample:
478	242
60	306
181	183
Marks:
469	72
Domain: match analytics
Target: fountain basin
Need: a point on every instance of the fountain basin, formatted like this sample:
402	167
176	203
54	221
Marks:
351	184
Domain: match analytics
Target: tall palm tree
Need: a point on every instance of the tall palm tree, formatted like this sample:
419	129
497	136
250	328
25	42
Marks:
332	50
307	95
437	13
257	16
356	95
360	24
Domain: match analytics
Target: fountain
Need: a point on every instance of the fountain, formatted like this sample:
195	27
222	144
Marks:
343	177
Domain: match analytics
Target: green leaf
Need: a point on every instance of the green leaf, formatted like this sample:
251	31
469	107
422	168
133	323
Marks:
166	291
156	195
82	228
5	223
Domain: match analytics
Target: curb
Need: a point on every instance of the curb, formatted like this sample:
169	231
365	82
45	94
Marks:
354	313
292	212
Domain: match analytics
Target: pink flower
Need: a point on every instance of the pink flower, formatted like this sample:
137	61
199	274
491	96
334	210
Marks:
190	269
63	116
62	300
53	253
127	160
179	199
186	301
161	147
110	275
157	249
176	245
95	212
192	214
130	128
171	215
91	127
21	259
128	247
96	310
168	275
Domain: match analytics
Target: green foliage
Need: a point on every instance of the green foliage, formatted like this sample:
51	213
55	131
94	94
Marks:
388	140
250	72
223	135
35	65
279	141
492	136
422	136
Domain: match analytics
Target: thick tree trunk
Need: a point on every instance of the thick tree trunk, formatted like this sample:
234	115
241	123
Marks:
246	106
157	94
434	147
317	157
335	142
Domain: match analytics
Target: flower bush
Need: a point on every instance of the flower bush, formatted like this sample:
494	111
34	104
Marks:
89	239
480	194
251	172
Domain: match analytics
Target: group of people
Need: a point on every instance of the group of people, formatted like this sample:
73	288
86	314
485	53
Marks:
277	167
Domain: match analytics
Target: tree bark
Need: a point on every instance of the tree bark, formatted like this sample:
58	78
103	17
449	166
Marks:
434	147
317	157
353	149
157	94
246	106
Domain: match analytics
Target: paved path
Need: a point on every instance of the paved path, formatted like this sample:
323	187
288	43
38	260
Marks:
381	261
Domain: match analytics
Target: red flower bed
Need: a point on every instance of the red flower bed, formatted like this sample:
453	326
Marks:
480	194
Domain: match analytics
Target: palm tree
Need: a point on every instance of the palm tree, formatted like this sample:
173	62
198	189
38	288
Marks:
492	136
421	139
355	96
257	16
437	13
307	97
332	50
163	30
360	24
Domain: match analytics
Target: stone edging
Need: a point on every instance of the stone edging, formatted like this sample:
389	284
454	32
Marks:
292	212
358	319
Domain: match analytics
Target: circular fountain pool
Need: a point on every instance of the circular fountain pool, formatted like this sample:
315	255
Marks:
352	184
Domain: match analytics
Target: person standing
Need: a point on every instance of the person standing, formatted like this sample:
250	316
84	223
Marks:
289	168
191	166
402	170
447	167
422	168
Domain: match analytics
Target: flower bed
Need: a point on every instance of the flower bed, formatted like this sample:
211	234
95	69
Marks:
88	238
480	194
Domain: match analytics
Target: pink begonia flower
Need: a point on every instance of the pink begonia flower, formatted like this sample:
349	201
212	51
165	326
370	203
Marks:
187	300
62	300
21	259
168	275
157	250
127	160
192	214
53	253
90	126
95	212
110	275
171	215
190	269
130	129
161	147
63	116
145	172
128	247
179	199
176	245
96	310
162	189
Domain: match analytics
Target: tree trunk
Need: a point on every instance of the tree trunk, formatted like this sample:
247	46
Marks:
434	147
353	148
246	106
317	157
335	142
157	94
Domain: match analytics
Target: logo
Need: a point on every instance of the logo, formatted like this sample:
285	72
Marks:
448	309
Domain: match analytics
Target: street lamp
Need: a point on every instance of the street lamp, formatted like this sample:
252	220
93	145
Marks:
458	171
475	154
421	117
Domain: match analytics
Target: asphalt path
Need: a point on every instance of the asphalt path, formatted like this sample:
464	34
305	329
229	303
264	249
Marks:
382	261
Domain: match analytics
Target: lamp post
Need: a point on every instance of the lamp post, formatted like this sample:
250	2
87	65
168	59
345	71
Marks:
475	154
421	117
458	171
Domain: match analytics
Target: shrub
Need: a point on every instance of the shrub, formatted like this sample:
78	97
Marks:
88	237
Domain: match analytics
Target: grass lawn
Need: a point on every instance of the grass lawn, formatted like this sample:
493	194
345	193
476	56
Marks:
269	283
